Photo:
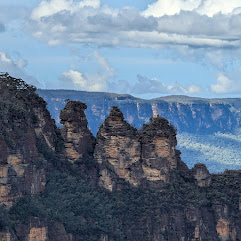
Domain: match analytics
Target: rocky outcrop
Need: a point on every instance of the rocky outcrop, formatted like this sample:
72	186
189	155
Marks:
19	175
118	152
57	232
201	175
194	116
79	141
137	157
24	123
158	149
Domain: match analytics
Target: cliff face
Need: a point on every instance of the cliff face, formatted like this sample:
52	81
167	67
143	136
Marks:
195	115
197	120
24	122
138	157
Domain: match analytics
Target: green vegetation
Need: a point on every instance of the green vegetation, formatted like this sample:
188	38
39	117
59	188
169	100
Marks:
218	151
90	212
17	103
5	220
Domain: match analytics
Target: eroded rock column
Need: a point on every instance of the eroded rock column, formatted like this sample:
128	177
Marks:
118	152
158	145
79	141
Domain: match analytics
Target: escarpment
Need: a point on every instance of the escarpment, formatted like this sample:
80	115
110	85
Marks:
24	124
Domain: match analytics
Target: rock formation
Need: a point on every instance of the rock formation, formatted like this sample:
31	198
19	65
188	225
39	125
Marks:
157	198
24	123
191	114
137	157
79	141
118	151
202	175
158	149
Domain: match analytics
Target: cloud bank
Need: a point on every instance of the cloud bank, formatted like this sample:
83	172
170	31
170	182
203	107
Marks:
165	23
100	81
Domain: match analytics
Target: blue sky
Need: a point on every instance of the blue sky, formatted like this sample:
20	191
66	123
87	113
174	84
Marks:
147	48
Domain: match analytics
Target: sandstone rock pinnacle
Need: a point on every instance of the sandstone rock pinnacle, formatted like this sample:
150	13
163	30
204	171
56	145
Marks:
79	141
202	175
137	157
117	151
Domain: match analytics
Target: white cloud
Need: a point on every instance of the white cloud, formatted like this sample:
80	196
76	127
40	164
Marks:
170	7
48	8
170	23
110	71
194	89
211	7
227	84
16	68
146	85
4	59
204	7
103	80
73	79
93	81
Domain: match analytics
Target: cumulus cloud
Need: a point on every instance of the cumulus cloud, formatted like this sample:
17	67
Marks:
48	8
16	68
76	80
227	83
204	7
170	7
73	79
165	23
94	81
103	80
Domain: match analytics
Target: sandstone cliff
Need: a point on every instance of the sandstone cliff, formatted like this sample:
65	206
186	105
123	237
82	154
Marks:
24	122
195	115
198	121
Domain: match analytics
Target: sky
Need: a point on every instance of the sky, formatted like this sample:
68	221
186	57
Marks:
146	48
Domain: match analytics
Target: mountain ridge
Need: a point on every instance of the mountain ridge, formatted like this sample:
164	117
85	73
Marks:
196	120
